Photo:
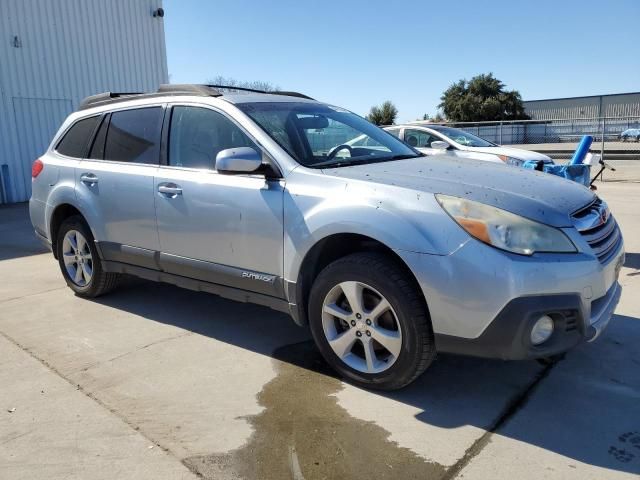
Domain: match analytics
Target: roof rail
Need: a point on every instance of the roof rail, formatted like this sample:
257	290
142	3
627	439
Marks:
175	89
274	92
190	88
105	97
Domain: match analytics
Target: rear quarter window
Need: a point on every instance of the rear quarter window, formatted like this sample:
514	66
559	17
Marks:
76	140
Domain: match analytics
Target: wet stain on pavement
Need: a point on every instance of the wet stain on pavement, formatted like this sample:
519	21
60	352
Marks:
303	433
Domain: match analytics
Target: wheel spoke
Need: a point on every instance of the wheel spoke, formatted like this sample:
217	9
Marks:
73	241
69	258
370	355
86	271
343	343
336	311
353	292
389	339
379	309
81	242
78	275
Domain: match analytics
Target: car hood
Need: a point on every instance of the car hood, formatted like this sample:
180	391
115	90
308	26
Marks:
535	195
510	152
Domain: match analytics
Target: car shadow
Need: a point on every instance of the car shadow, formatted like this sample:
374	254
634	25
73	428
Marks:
632	260
456	391
17	239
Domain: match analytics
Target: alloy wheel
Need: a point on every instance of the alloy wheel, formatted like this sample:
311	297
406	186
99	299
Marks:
361	327
77	257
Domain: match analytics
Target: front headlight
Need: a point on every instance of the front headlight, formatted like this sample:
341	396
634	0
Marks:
504	230
516	162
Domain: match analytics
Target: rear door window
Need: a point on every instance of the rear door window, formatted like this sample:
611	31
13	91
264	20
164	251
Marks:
134	136
76	140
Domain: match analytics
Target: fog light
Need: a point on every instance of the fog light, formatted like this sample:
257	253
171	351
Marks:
542	330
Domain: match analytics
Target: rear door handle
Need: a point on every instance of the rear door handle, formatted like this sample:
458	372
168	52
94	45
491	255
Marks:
89	178
171	190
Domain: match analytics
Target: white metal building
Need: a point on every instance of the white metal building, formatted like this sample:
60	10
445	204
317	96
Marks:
613	105
55	53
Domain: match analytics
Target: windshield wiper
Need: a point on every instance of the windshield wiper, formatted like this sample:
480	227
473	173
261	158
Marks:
358	161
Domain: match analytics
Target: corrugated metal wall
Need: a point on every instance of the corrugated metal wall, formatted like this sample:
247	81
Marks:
55	53
622	105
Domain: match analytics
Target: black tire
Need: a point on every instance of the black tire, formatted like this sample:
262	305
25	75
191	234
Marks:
101	282
401	291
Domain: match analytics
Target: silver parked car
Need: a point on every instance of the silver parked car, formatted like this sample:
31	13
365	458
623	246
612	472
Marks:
387	256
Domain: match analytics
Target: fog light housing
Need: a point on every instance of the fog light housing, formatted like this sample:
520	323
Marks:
542	330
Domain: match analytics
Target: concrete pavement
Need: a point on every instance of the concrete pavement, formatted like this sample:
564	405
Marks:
225	390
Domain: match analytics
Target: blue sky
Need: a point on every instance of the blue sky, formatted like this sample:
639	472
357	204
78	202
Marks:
360	53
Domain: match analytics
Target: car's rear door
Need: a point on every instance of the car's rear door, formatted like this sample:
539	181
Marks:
225	229
115	184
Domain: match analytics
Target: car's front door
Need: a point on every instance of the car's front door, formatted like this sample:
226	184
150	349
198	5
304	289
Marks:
224	229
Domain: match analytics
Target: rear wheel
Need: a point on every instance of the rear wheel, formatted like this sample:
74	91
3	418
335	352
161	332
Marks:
370	322
79	261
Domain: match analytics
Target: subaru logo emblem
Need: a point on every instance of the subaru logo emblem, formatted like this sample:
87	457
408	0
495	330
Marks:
603	216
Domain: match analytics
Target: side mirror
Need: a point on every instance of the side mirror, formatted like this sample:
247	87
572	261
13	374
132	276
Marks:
440	145
238	160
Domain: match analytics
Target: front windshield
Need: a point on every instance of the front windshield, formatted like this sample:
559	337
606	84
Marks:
463	138
318	135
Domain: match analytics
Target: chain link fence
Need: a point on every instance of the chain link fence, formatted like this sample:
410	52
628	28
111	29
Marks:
616	139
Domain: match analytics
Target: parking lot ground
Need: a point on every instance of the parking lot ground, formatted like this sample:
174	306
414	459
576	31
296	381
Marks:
156	382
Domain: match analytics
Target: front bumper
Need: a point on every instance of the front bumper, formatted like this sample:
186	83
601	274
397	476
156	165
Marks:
508	336
484	302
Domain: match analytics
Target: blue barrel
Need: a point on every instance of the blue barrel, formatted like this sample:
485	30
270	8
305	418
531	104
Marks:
582	150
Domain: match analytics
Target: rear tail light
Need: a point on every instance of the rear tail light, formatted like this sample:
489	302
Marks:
36	168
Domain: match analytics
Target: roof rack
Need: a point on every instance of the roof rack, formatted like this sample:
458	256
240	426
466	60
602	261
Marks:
105	97
273	92
175	89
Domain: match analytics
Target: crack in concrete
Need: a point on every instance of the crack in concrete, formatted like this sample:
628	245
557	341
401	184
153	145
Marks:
88	394
10	299
512	408
135	350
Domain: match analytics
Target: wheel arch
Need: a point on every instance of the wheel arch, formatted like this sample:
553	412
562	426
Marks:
328	250
58	215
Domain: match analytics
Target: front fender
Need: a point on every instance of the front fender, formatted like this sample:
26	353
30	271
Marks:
401	219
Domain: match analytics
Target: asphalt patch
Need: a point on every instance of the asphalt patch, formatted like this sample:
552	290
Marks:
303	433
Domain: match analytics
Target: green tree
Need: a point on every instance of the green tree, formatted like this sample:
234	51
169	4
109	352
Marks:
483	98
385	114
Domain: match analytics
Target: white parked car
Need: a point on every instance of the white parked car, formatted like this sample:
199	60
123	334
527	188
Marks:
438	139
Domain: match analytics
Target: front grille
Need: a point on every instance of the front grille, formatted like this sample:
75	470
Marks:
598	227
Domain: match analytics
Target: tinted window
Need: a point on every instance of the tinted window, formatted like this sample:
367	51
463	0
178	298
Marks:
134	136
394	131
75	141
198	134
97	150
419	138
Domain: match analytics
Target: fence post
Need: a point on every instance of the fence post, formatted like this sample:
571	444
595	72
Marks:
604	127
500	141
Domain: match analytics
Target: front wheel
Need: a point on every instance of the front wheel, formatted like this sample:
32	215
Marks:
370	321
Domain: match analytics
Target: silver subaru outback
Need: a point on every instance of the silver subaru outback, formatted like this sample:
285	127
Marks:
389	256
